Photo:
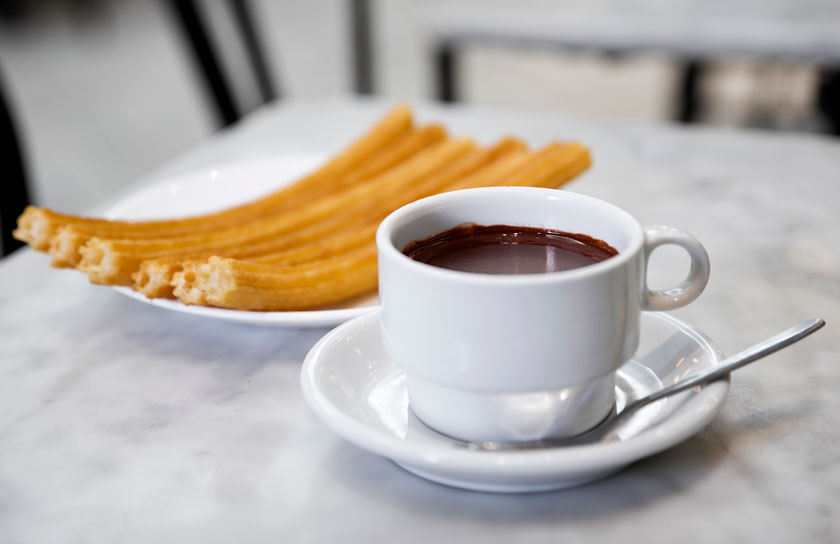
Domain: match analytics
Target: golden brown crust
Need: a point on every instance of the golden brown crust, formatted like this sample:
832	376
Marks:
227	283
113	261
37	226
404	146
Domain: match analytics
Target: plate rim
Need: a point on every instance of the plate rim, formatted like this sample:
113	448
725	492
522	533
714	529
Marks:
697	411
311	318
303	318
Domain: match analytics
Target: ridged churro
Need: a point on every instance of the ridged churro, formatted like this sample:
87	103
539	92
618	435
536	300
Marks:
303	246
36	226
112	262
65	245
229	283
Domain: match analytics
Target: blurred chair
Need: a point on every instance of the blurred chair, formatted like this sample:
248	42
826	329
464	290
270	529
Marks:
208	49
361	46
692	37
15	193
205	46
829	99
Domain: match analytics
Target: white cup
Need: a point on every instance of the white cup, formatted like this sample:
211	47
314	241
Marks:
520	357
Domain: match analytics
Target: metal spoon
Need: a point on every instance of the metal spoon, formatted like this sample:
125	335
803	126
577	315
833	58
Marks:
603	429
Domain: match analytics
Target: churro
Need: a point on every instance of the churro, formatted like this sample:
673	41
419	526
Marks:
228	283
112	262
68	239
37	226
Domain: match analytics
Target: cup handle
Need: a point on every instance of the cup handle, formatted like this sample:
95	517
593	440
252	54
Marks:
692	285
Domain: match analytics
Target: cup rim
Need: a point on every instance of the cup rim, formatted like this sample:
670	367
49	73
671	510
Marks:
386	247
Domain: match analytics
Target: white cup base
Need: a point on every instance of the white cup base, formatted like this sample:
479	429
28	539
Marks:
474	416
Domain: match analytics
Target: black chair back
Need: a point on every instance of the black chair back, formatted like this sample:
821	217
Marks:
14	193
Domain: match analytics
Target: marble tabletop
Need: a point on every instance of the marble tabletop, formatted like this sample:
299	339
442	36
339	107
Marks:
122	422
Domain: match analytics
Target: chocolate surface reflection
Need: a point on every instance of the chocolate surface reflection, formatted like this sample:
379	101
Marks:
506	249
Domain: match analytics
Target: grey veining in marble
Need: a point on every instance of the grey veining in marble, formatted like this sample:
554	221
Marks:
120	422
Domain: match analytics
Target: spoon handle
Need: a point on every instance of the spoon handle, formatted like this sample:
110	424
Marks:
762	349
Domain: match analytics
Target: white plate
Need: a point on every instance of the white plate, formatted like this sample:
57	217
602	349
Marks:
360	393
223	186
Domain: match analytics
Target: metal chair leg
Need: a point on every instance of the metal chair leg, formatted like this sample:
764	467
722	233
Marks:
250	37
196	32
446	68
15	194
828	99
690	104
360	19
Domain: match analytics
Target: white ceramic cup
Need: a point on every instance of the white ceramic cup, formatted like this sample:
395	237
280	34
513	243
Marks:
520	357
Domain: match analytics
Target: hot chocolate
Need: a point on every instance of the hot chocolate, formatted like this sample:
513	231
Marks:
506	249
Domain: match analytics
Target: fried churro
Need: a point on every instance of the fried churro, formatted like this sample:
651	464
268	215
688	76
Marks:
37	226
68	239
112	262
229	283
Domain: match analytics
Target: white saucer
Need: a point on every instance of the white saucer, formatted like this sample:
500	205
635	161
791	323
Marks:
220	186
355	389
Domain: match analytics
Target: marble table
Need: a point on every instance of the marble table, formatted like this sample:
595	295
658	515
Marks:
121	422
